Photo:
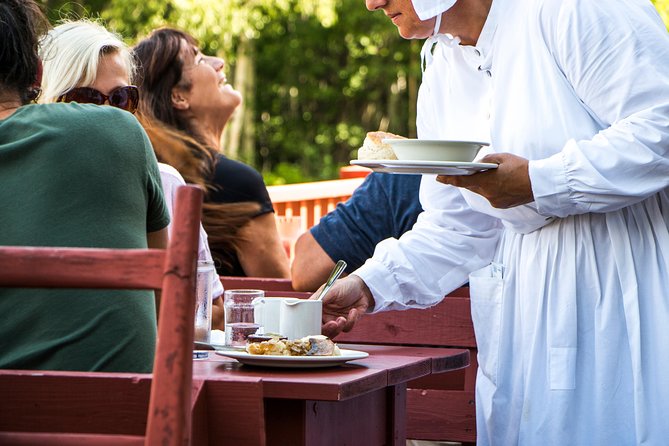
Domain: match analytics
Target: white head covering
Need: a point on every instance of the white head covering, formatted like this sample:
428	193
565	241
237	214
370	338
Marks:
426	9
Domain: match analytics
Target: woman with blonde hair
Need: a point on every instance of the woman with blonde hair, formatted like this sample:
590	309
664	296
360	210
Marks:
86	63
185	105
75	54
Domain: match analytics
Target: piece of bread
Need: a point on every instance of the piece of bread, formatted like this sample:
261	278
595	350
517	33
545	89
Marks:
374	149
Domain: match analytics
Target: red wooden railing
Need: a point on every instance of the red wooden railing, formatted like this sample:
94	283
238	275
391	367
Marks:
311	201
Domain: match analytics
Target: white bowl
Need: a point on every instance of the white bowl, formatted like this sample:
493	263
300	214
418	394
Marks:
434	150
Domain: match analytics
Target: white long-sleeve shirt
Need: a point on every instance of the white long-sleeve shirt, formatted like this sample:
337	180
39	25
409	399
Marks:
571	316
593	120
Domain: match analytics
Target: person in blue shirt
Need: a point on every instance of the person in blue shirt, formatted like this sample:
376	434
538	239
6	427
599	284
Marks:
385	205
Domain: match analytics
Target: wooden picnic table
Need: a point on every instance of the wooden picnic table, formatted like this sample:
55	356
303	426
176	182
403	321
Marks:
360	403
439	407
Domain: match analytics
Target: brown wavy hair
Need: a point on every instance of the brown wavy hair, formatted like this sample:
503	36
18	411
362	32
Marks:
22	24
175	142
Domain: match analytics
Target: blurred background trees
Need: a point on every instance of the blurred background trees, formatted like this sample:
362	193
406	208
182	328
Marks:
316	75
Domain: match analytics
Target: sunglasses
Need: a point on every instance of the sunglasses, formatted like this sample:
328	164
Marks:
126	97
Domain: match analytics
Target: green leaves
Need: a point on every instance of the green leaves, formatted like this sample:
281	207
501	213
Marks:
323	74
316	75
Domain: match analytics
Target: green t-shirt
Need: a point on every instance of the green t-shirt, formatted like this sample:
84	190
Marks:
77	175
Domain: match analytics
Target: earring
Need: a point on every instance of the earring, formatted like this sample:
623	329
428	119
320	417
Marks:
33	93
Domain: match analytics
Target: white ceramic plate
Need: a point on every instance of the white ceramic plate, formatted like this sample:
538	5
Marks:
435	150
424	167
294	361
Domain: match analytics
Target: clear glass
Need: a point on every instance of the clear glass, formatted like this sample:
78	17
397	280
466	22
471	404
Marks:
205	277
239	318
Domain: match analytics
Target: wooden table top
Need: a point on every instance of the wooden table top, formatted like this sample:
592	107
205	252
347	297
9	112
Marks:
385	366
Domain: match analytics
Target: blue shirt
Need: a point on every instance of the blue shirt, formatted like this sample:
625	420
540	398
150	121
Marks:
385	205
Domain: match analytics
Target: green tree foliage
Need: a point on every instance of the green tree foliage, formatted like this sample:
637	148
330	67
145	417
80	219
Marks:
317	102
66	9
316	75
325	73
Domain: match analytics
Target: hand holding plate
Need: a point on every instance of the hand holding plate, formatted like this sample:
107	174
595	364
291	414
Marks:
505	187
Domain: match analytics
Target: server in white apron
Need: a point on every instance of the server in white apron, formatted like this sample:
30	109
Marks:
569	283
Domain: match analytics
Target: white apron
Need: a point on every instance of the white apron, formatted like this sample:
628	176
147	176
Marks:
580	358
572	319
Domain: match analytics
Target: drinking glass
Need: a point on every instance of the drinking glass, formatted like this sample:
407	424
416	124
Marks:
239	318
205	277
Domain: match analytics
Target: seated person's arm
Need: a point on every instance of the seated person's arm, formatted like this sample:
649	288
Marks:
157	240
311	264
217	314
383	206
261	253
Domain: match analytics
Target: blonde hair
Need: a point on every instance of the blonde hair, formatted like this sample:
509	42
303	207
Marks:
71	53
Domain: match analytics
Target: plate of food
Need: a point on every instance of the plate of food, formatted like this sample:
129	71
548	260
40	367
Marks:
309	352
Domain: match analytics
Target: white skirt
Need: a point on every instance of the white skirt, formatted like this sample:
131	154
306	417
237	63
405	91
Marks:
572	327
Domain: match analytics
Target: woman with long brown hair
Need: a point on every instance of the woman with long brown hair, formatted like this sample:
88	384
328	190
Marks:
185	105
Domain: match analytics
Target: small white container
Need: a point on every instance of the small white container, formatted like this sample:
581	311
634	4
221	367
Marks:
288	316
299	318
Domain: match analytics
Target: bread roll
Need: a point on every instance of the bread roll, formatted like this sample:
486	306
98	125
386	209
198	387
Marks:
373	149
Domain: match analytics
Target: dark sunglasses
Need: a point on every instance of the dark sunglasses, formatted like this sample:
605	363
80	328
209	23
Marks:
126	97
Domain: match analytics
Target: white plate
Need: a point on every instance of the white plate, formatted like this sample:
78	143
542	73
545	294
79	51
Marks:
294	361
424	167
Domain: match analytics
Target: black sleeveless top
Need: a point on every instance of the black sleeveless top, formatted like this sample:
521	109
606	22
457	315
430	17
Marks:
236	182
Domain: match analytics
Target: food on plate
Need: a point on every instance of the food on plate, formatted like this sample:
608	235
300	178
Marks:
264	337
373	148
317	345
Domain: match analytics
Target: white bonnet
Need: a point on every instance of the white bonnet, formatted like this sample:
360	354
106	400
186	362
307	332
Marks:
426	9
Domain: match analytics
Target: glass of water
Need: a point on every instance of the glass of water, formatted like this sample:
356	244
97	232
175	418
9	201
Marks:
239	321
206	274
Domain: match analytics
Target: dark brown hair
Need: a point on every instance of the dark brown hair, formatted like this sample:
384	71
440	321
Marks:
22	23
175	142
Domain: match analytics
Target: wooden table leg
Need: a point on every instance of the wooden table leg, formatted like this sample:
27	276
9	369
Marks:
397	414
375	418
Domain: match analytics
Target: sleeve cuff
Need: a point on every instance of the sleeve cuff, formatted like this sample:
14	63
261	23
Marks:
549	185
379	281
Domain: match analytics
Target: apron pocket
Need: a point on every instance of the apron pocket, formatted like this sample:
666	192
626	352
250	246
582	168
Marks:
486	288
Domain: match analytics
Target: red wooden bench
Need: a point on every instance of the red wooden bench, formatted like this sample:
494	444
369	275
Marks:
271	287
